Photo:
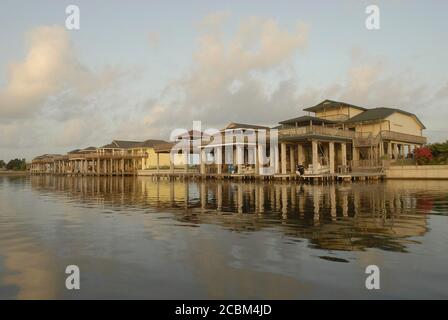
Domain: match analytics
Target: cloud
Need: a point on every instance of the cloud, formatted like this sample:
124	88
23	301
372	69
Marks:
153	39
213	22
373	81
442	93
249	76
51	101
241	76
50	69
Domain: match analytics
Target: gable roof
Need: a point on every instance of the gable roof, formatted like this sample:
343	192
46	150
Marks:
307	119
331	103
150	143
379	114
109	146
235	125
164	147
126	144
88	149
48	155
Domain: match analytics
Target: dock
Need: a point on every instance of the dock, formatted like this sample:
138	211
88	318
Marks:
313	178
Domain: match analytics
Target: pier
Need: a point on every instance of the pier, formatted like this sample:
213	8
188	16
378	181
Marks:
313	178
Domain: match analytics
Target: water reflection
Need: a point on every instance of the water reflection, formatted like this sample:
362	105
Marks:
138	238
332	216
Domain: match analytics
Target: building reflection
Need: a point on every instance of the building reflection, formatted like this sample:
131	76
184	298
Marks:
334	216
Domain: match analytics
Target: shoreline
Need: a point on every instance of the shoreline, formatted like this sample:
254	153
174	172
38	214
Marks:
385	177
13	173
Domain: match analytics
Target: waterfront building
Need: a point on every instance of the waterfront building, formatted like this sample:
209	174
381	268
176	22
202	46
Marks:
116	158
336	139
44	163
229	151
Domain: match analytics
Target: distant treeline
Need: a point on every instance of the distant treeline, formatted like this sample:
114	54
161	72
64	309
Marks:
14	164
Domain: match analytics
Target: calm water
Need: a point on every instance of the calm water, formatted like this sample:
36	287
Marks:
138	238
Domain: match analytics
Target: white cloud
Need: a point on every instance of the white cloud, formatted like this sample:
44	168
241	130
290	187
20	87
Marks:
234	77
53	101
442	93
153	39
50	69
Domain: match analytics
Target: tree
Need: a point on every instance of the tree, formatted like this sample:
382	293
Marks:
423	155
16	164
2	164
439	149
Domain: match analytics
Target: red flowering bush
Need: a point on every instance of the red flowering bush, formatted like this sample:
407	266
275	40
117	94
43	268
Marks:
423	155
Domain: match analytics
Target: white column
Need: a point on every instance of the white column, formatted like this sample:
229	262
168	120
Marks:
240	158
218	158
344	153
395	146
275	156
292	161
260	159
257	160
186	162
300	154
202	160
331	155
283	157
315	157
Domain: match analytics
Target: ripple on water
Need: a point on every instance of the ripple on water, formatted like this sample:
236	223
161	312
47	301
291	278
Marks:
183	234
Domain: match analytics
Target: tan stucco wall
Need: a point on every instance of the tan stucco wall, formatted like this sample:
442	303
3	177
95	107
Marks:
354	112
403	123
164	159
396	122
338	113
373	128
417	172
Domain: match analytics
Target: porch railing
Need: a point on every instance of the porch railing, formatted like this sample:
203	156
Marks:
316	130
403	137
360	138
116	155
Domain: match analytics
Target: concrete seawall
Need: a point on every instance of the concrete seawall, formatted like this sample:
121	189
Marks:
417	172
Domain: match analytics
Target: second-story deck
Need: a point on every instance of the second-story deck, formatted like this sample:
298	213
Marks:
309	132
359	139
108	155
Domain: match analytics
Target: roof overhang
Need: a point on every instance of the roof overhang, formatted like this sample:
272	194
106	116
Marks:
331	104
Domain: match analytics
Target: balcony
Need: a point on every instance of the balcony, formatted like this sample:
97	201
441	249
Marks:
360	139
308	131
107	155
402	137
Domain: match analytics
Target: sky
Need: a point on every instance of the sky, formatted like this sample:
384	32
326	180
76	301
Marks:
136	70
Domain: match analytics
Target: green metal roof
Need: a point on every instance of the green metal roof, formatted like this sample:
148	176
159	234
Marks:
307	119
379	114
236	125
150	143
331	103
